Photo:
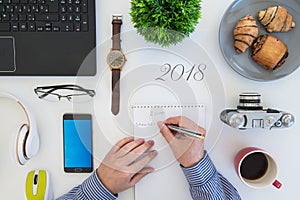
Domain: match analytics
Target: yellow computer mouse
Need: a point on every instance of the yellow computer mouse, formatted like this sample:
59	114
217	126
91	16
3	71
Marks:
38	185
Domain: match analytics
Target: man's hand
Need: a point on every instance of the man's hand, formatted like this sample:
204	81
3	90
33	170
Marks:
125	164
187	150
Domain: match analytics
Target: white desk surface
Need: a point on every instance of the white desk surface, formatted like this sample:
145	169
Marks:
282	144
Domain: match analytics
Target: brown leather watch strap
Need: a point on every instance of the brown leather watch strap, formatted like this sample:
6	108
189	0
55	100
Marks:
115	99
116	41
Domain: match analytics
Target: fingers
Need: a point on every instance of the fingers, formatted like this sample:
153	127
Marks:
130	146
138	151
131	150
121	143
185	122
165	131
140	164
174	120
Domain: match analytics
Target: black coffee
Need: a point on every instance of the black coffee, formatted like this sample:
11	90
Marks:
254	166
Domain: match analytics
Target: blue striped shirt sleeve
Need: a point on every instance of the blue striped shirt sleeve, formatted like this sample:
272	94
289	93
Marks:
206	183
90	189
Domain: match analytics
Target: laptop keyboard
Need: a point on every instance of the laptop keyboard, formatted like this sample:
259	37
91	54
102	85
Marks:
44	16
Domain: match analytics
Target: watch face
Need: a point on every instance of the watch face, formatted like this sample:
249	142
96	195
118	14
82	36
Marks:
116	59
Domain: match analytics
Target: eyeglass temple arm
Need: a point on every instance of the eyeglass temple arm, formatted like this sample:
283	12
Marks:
64	87
59	86
90	92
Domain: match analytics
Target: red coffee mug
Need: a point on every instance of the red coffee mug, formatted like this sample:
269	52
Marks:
245	162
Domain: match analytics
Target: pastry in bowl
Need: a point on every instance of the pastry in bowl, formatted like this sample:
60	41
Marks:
276	19
244	33
269	51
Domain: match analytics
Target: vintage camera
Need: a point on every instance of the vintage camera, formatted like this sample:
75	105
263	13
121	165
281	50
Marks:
251	114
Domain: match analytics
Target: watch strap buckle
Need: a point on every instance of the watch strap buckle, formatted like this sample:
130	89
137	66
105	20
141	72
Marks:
117	17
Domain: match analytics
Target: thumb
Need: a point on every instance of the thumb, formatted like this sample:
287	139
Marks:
138	176
165	131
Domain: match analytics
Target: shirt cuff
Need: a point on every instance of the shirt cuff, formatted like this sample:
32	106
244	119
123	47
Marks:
202	172
94	189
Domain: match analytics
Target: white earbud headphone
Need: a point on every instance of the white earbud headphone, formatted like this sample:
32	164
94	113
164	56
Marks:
27	143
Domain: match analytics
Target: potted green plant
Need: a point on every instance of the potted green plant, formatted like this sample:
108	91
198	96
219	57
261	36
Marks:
165	22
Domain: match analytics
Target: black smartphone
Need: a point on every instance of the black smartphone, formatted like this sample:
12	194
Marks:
77	143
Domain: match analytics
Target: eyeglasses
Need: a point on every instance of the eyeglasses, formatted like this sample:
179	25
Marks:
73	93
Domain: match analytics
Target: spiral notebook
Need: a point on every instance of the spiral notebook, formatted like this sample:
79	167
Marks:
168	180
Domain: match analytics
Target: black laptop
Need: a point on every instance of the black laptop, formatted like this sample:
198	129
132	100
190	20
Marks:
47	38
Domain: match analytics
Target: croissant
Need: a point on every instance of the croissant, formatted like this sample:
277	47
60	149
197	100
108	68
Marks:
276	19
245	32
269	51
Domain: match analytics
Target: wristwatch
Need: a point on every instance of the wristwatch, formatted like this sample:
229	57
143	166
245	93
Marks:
116	60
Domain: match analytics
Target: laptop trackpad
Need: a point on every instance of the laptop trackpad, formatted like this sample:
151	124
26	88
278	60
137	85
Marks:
7	54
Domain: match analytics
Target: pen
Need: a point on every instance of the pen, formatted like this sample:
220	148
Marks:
185	131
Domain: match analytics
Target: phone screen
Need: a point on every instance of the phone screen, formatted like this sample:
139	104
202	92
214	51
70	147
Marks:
77	138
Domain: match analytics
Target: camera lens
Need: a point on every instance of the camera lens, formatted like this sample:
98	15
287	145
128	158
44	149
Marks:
250	101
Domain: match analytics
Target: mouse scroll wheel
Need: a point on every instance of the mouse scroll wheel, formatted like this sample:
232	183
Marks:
35	180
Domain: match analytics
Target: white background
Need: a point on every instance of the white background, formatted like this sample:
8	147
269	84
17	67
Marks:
282	144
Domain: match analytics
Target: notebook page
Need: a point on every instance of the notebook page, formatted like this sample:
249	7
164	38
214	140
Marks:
167	181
